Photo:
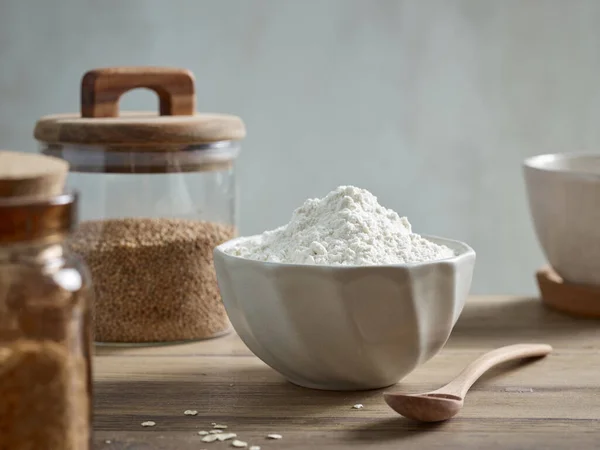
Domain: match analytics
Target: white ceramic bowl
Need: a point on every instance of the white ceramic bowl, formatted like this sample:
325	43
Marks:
564	200
341	327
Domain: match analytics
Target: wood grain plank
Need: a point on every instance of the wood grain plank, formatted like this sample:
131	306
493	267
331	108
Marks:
486	322
542	404
527	437
561	368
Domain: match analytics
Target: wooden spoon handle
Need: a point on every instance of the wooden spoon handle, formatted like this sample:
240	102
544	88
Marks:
461	384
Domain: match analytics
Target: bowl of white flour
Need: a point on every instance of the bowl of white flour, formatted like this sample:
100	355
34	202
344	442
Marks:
345	296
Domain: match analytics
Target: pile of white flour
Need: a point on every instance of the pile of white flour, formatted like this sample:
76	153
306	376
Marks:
346	227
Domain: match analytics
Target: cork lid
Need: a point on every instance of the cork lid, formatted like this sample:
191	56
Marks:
28	174
33	205
177	123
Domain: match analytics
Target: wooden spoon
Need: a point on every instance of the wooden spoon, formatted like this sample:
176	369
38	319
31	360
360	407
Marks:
444	403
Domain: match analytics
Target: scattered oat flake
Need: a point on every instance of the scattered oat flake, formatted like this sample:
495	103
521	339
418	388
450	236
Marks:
255	447
215	431
190	412
226	436
239	444
202	433
219	427
358	406
210	438
274	436
148	423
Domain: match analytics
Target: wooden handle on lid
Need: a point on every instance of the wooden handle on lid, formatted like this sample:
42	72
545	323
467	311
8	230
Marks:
101	90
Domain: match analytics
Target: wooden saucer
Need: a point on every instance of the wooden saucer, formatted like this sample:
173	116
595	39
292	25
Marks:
577	300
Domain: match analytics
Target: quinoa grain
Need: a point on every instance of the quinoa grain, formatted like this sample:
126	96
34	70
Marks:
37	382
154	278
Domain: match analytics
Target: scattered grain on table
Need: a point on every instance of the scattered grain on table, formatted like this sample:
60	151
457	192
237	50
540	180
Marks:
226	436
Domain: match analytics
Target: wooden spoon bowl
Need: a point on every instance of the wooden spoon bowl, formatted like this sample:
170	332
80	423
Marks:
447	401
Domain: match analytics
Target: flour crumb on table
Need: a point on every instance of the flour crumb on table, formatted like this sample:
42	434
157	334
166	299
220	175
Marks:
148	423
358	406
347	227
190	412
239	444
202	433
274	436
255	447
219	427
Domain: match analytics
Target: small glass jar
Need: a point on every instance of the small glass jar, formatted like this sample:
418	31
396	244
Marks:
160	194
45	373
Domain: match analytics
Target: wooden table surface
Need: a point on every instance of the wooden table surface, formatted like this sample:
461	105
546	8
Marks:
548	404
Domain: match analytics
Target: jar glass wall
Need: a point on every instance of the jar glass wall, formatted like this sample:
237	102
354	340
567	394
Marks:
150	222
45	373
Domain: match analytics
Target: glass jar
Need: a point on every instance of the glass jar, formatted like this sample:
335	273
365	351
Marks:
45	381
160	194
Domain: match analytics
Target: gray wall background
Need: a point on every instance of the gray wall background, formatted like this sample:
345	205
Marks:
431	105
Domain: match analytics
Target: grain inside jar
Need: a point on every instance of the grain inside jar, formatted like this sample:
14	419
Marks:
154	278
42	379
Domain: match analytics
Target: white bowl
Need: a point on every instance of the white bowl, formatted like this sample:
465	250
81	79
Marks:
344	327
564	200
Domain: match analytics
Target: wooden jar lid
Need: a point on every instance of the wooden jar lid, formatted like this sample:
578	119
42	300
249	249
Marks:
28	174
177	123
574	299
